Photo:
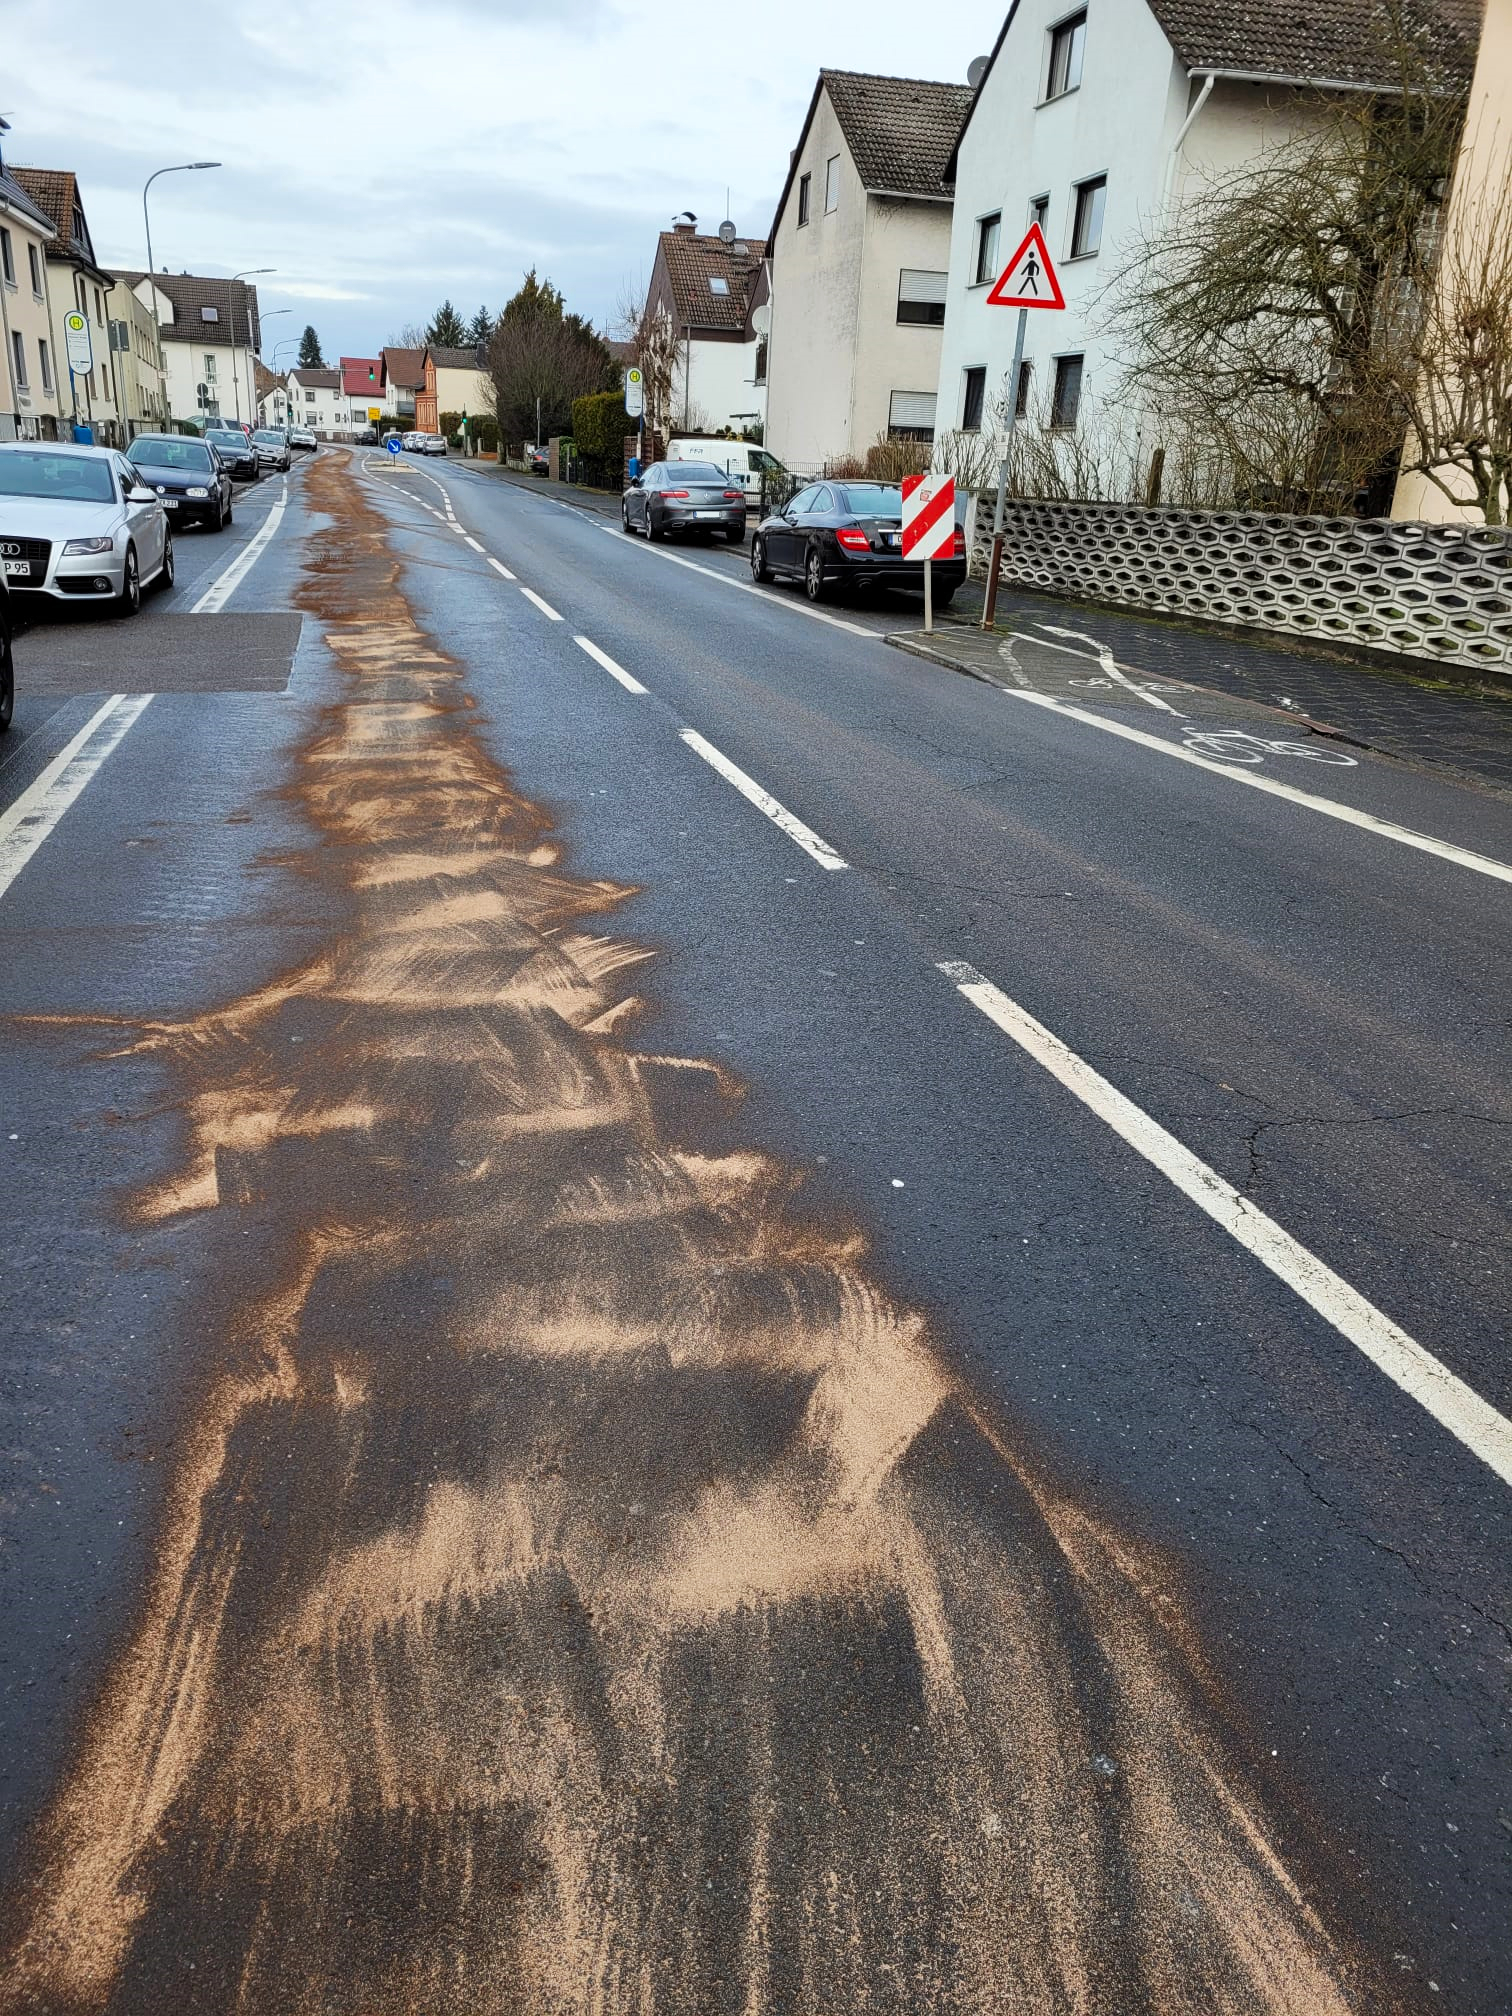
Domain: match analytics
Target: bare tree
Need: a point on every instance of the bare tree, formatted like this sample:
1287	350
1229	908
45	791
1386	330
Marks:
410	337
1453	371
1265	311
659	357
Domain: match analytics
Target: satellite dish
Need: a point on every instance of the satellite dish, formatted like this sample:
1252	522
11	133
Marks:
727	232
976	70
761	318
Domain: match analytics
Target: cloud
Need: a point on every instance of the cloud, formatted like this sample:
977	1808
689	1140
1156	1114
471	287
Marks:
515	133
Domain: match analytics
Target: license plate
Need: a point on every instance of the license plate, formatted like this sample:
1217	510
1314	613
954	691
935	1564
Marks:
21	568
169	503
711	514
895	538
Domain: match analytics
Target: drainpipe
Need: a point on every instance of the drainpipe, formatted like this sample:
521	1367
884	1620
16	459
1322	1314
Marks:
1186	126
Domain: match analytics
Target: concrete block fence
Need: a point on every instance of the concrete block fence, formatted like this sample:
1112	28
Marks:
1441	593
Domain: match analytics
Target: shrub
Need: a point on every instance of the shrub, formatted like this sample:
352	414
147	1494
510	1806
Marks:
599	427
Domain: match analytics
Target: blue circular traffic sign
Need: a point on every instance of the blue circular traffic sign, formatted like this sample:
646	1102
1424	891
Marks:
393	444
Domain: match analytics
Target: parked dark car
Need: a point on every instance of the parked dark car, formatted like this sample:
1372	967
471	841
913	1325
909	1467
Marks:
236	451
684	497
7	660
192	482
540	461
272	445
850	535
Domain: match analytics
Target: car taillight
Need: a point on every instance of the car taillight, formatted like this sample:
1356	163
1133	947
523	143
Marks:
674	493
853	539
958	550
734	496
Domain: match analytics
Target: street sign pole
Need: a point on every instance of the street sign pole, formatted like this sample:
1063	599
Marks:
989	607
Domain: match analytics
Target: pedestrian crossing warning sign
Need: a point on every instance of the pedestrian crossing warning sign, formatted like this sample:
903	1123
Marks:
1029	279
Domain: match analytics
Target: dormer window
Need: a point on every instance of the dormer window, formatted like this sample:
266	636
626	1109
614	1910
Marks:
209	314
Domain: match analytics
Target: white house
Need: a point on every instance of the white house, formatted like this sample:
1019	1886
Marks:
708	291
211	334
315	399
859	250
1091	120
75	283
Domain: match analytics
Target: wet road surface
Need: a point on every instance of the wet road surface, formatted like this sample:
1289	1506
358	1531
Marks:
548	1477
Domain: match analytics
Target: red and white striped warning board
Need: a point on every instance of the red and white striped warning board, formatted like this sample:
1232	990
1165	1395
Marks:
928	517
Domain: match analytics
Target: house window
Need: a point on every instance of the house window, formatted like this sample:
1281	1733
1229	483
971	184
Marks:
832	184
971	405
1021	397
987	248
1086	231
46	356
7	258
921	297
804	184
1066	46
761	354
99	306
911	416
717	284
18	358
209	363
1067	397
36	270
1039	211
309	398
209	314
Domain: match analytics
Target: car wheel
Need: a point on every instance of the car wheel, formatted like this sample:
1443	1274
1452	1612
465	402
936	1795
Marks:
648	528
759	568
230	512
813	575
129	601
7	681
625	518
165	572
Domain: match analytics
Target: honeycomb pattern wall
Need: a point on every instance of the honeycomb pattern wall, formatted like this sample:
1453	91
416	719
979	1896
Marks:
1436	592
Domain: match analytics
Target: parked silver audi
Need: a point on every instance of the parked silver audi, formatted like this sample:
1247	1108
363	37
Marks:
79	525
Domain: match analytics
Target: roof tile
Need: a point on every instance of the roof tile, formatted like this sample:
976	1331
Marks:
694	259
900	130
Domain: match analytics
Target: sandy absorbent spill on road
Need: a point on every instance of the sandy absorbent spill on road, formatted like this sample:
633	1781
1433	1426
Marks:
584	1589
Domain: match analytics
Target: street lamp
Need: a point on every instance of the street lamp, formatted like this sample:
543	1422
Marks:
178	168
245	273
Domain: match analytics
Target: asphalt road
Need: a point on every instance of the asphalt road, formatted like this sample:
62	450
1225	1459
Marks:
699	1317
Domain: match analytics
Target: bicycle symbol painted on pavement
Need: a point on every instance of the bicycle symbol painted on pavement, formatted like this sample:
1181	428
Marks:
1234	745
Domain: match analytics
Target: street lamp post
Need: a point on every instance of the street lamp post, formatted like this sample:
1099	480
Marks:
245	273
251	400
178	168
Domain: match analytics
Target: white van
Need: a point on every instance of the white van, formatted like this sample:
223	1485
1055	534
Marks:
742	460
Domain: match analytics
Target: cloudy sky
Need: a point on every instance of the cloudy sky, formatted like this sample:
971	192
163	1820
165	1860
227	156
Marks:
381	157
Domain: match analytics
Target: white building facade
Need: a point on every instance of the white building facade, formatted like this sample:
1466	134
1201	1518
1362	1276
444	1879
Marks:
1092	121
315	399
859	253
30	409
211	332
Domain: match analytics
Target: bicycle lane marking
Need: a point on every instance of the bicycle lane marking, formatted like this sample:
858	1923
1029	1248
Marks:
1349	815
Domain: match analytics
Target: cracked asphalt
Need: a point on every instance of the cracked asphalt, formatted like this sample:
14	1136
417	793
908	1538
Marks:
1290	1581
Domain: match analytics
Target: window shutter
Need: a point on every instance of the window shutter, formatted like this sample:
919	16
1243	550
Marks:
912	409
916	285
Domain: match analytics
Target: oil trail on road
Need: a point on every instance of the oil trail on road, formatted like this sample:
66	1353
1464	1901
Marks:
583	1587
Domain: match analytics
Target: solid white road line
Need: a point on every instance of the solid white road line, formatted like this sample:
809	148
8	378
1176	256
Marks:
544	607
1446	850
779	815
27	823
226	583
745	587
499	567
615	671
1452	1403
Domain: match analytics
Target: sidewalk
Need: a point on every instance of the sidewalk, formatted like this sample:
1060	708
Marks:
1466	731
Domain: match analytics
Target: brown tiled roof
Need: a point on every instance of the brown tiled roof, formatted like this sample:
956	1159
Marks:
692	260
405	368
55	191
13	193
465	359
1322	42
264	379
900	130
317	378
234	300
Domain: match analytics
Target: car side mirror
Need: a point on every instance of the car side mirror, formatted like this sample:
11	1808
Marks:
140	494
636	483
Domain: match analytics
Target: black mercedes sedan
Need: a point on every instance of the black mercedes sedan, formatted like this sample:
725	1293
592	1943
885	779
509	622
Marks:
836	534
236	451
684	497
188	475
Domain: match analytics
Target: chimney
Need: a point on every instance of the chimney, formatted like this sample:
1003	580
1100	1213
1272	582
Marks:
684	230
